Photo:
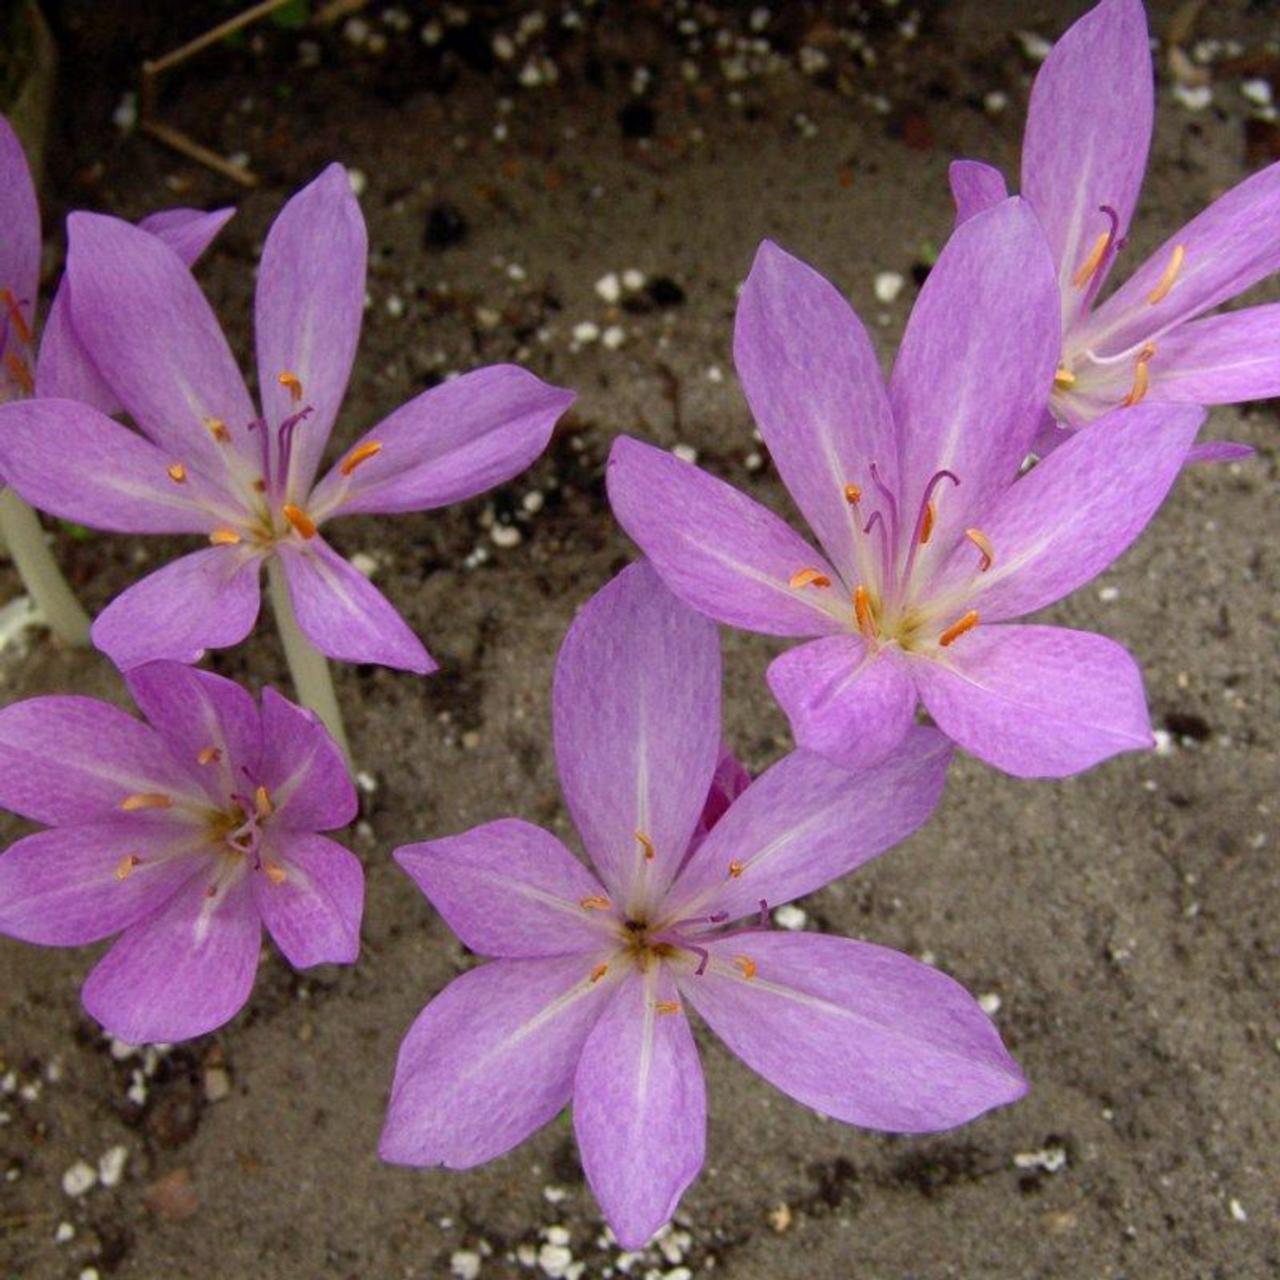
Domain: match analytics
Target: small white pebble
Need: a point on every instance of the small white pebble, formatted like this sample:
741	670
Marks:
613	337
1050	1159
516	272
217	1084
715	373
358	181
79	1178
465	1264
554	1194
586	331
557	1235
1259	93
555	1260
363	562
111	1165
1238	1211
989	1003
1108	595
366	782
888	284
995	102
125	116
1194	99
120	1049
53	1072
64	1233
90	1273
30	1092
685	452
1036	47
609	288
506	536
790	917
533	501
395	306
632	279
504	48
526	1255
1164	742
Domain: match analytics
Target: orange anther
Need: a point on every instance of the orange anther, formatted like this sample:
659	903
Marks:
16	318
862	611
667	1006
747	965
1064	379
177	473
145	800
735	869
293	383
361	453
262	802
217	429
1141	377
1093	261
983	543
809	578
596	902
209	755
224	537
647	845
302	522
957	629
926	527
275	873
598	972
20	371
852	494
1165	283
124	868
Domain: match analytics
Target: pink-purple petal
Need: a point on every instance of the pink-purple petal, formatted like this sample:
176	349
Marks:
344	615
206	600
450	443
508	888
718	550
1214	451
20	241
806	822
184	971
856	1031
640	1107
818	395
1222	359
1037	702
303	769
489	1060
974	187
308	310
309	894
636	706
844	702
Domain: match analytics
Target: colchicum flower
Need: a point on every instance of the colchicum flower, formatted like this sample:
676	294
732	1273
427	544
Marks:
586	997
913	491
56	364
207	462
185	835
1083	157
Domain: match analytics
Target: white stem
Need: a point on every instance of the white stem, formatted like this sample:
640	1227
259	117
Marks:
24	536
312	680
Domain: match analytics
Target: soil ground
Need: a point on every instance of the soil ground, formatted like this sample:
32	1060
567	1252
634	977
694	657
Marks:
1124	921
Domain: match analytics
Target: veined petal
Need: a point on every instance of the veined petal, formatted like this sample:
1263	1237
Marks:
73	461
1214	451
858	1032
69	759
182	972
717	549
814	385
153	337
1220	360
1233	244
206	600
310	896
640	1107
1037	702
1074	512
974	370
974	187
729	781
308	309
806	822
508	888
452	442
636	706
63	368
344	615
845	703
303	769
490	1060
1087	136
73	885
20	218
208	722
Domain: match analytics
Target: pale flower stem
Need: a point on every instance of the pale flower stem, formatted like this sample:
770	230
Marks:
312	680
25	539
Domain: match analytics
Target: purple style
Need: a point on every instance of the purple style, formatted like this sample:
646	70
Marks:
586	999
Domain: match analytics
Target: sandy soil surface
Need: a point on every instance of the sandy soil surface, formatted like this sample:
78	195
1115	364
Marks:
1122	926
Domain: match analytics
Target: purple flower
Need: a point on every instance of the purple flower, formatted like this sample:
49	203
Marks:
586	997
208	463
1083	157
184	835
913	492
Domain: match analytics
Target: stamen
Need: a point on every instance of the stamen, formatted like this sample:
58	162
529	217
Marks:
736	869
276	874
302	522
808	578
927	523
1141	377
145	800
361	453
209	755
224	537
852	494
262	802
1093	261
20	371
16	318
1064	379
218	430
596	902
667	1006
293	383
178	473
983	543
647	845
891	503
124	868
928	515
957	629
862	611
598	972
1161	291
747	965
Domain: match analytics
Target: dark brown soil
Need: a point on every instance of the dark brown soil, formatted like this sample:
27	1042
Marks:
1126	919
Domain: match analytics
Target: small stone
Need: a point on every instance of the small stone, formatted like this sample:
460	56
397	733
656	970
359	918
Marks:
780	1217
554	1195
395	306
217	1084
995	102
1238	1211
685	452
1195	98
715	374
533	501
609	288
471	739
632	280
1259	93
555	1260
90	1273
366	782
363	562
506	536
111	1165
465	1264
125	116
557	1235
516	272
790	917
358	182
586	331
79	1178
989	1003
613	337
64	1233
1108	595
1035	46
888	284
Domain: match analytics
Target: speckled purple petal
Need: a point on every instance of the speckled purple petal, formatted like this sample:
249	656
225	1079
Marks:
718	550
636	706
303	769
206	600
182	972
640	1107
310	895
308	310
20	241
490	1060
1223	359
1037	702
974	187
508	888
858	1032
